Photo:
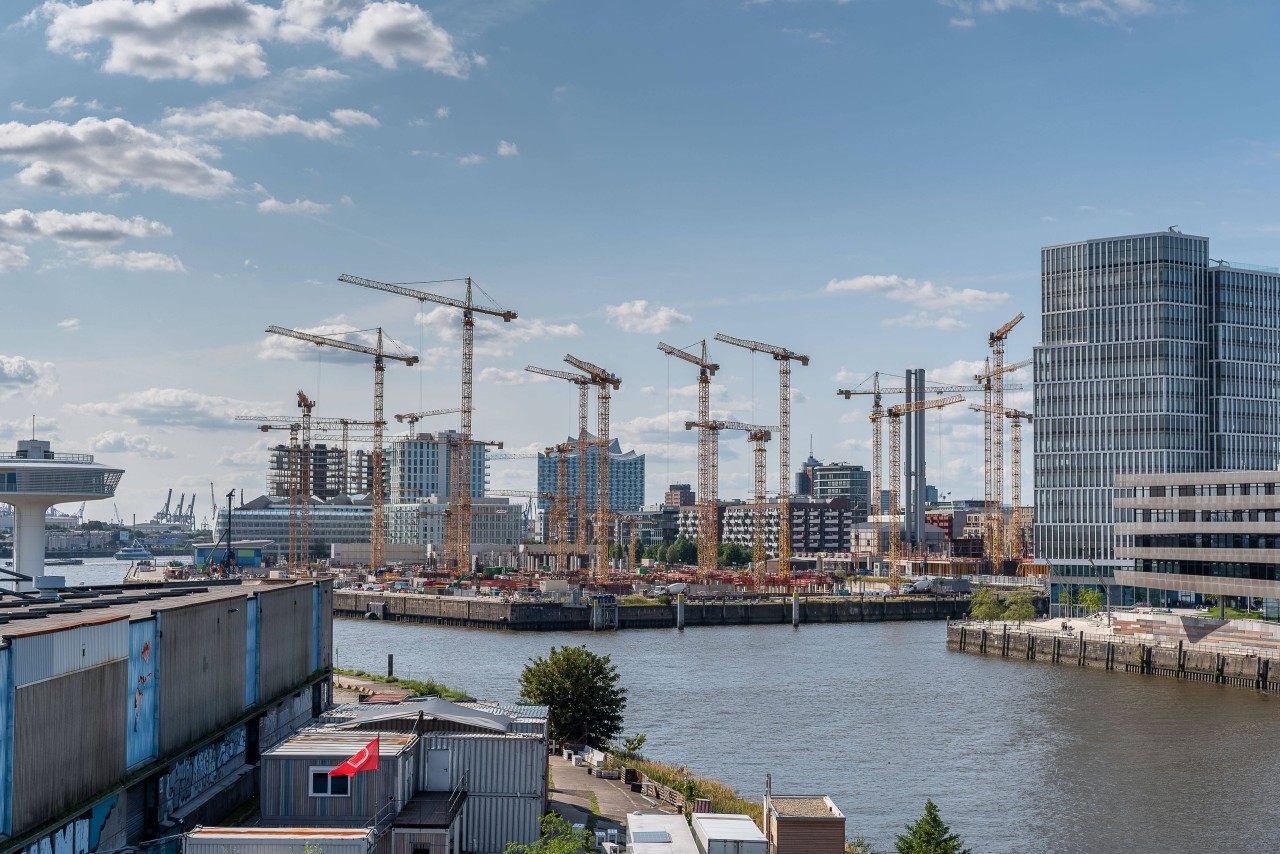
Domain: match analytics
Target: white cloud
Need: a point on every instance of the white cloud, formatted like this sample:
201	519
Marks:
941	306
137	261
97	156
63	105
253	457
442	112
297	206
216	120
85	233
927	320
500	376
292	349
470	159
961	23
20	375
354	117
507	149
1110	11
175	407
71	324
391	32
494	338
638	316
118	442
318	74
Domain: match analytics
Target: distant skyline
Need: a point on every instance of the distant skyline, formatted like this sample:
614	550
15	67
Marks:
865	182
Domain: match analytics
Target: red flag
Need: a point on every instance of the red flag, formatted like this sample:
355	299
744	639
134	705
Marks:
366	759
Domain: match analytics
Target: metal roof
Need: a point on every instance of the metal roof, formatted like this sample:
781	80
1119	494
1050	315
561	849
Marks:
326	741
101	605
531	711
727	826
353	716
244	834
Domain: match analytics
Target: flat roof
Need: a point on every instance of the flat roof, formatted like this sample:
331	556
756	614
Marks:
729	827
94	606
326	741
242	834
659	834
1165	233
805	806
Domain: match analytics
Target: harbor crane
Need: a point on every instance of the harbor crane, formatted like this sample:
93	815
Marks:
994	386
604	381
708	498
414	417
377	527
784	358
294	478
895	473
758	436
458	532
584	387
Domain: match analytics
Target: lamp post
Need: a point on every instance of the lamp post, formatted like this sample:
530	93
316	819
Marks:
229	558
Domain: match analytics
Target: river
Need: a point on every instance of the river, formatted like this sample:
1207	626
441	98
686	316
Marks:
1018	756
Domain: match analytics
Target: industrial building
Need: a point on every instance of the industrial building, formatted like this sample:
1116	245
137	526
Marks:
140	712
1200	534
1155	360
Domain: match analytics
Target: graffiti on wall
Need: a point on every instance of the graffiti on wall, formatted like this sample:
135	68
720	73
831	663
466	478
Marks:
81	835
144	697
200	771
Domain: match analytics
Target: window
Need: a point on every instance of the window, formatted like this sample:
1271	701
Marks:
324	786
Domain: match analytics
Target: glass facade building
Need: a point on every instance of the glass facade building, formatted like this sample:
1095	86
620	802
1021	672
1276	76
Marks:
626	480
1154	360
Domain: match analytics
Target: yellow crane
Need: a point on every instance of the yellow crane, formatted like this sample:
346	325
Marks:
603	381
584	387
458	532
306	404
708	484
293	478
560	507
758	436
784	358
994	386
1012	541
414	417
325	426
377	526
895	474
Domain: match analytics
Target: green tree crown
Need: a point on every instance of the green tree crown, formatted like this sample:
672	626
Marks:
929	835
583	692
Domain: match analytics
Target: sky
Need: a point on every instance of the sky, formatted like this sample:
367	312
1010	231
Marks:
864	182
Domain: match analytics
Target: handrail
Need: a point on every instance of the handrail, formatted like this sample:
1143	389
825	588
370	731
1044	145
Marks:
459	792
1188	645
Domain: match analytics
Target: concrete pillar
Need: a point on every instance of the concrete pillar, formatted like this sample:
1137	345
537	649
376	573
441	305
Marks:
28	539
795	609
680	611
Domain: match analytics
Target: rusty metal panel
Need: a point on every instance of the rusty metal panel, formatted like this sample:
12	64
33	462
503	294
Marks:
489	823
57	653
202	661
143	698
285	639
88	750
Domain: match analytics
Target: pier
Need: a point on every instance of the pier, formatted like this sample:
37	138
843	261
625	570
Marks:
486	613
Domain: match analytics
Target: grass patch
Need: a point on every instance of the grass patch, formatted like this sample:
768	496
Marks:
635	599
418	687
723	798
1232	614
594	804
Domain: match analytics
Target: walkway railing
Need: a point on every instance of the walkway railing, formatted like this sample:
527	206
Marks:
1092	637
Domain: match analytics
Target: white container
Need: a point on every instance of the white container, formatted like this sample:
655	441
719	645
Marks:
277	840
723	833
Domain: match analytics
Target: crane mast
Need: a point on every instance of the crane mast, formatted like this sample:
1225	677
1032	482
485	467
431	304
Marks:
993	384
604	381
306	404
292	479
708	467
584	387
784	358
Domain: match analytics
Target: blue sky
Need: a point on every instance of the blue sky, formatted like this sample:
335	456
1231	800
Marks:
866	182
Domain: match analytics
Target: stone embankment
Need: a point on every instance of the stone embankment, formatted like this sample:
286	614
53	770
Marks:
485	613
1225	666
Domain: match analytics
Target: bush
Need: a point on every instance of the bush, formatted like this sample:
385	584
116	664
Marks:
723	798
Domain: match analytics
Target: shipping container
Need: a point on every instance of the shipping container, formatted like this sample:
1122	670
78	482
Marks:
493	764
202	661
291	772
278	840
489	823
724	833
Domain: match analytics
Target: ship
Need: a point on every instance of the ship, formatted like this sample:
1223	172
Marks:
134	551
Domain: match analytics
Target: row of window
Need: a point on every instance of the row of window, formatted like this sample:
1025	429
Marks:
1253	571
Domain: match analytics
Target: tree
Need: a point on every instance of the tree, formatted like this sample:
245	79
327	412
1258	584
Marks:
929	835
558	837
582	691
615	551
1021	606
660	554
734	554
986	605
683	550
1090	599
632	744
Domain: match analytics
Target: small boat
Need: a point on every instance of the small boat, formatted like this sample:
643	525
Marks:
65	561
134	551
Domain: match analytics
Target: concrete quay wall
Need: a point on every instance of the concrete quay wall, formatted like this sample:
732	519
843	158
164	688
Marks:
1183	661
534	616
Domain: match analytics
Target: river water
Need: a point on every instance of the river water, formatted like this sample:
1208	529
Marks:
1019	756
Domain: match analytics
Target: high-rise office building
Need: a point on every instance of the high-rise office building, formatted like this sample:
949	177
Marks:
1155	360
842	480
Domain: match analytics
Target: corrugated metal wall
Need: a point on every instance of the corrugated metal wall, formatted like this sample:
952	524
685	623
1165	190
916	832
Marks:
52	654
285	638
418	842
494	765
142	700
202	670
489	823
317	628
252	667
74	724
326	624
196	845
286	790
6	739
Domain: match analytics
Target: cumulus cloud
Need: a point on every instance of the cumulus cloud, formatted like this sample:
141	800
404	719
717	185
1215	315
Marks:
1109	11
501	376
20	375
175	407
214	41
82	235
118	442
442	112
252	457
941	305
507	149
494	338
154	262
354	117
71	324
639	316
98	156
297	206
292	349
218	121
470	159
63	105
318	74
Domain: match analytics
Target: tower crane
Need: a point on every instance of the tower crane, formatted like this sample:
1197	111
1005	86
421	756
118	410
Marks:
414	417
992	410
294	478
708	499
758	436
560	507
460	527
895	472
584	386
323	426
377	527
306	404
603	381
784	358
1018	541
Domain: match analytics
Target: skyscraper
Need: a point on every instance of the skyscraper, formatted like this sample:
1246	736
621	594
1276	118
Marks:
1154	360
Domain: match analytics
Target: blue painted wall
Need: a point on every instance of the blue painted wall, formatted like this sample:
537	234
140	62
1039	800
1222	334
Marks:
143	739
252	662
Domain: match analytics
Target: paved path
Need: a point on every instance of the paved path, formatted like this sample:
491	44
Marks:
574	786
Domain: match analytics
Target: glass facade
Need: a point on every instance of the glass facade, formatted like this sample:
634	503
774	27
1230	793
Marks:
1152	362
626	480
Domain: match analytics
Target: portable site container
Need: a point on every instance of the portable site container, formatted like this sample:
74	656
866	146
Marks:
659	834
804	824
278	840
296	787
723	833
